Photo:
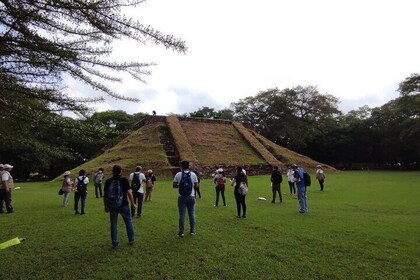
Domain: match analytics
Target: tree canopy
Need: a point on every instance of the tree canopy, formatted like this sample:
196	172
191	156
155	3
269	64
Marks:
41	41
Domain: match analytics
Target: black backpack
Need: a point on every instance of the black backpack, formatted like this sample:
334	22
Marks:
81	186
135	183
114	195
306	179
185	185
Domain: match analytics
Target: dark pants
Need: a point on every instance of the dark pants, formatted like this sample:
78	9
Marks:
7	198
240	201
138	199
321	184
98	189
276	189
79	196
292	187
220	190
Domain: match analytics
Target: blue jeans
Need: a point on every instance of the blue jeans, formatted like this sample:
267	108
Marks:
79	196
184	203
125	213
98	189
302	199
66	196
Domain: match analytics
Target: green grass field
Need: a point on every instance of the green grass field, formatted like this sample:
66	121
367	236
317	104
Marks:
365	225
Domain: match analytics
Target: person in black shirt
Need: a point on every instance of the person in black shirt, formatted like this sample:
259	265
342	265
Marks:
123	209
276	180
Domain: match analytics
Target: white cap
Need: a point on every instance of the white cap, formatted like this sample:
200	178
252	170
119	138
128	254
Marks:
220	170
66	173
7	166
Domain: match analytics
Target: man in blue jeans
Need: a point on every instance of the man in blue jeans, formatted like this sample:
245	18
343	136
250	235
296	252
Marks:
186	182
301	188
124	209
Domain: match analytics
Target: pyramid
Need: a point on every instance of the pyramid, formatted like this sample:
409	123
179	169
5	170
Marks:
161	142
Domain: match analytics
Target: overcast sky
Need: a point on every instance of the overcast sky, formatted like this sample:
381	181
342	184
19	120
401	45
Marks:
358	51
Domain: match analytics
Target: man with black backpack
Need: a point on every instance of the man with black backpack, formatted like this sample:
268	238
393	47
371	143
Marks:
80	192
186	182
116	191
137	179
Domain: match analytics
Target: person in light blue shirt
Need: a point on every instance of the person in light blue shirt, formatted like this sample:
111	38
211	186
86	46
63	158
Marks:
186	196
301	188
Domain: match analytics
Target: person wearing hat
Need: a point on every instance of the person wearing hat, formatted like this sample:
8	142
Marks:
219	182
150	183
67	187
99	177
320	176
6	188
301	188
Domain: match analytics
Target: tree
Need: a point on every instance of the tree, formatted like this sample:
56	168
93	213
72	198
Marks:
289	117
43	40
411	85
210	113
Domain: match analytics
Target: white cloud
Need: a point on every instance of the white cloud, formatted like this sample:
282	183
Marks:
356	50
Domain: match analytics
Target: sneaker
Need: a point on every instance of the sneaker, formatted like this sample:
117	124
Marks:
76	213
131	243
181	234
192	233
82	213
238	217
244	216
115	247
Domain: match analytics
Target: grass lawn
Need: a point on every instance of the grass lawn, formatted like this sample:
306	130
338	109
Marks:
365	225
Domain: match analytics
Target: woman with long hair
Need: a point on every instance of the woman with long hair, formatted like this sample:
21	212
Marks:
240	198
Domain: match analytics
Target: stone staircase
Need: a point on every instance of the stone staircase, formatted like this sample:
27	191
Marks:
169	148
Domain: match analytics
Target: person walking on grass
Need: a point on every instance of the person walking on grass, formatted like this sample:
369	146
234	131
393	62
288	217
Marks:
7	185
186	181
117	192
291	180
150	184
240	198
276	180
220	181
99	177
320	176
67	188
80	192
137	179
301	188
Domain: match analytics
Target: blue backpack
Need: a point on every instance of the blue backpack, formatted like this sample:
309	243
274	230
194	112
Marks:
185	185
115	195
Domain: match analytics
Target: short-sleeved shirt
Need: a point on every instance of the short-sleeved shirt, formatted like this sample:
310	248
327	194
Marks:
194	180
142	178
124	184
99	177
85	181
